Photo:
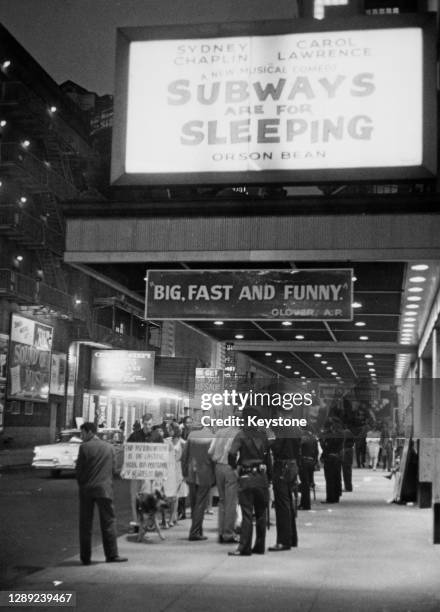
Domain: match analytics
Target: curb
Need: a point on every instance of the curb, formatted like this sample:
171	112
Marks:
10	460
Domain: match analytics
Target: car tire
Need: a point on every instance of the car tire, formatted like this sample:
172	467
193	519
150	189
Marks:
55	473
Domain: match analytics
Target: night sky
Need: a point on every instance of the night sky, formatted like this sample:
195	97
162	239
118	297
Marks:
75	39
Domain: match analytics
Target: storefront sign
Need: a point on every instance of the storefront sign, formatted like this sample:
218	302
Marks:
58	373
207	380
285	103
4	345
145	461
250	294
2	407
122	370
29	359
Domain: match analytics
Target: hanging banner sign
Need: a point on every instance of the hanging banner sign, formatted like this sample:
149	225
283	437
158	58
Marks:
29	359
146	461
276	106
250	294
58	373
122	370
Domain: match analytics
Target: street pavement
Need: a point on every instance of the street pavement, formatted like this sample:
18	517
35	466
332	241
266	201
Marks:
364	554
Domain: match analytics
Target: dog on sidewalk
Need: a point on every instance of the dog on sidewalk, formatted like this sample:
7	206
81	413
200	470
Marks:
148	507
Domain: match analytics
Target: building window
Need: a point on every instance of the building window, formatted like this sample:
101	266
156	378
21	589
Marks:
383	11
319	7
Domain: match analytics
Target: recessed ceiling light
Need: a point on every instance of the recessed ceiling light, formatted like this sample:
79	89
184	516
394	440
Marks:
371	370
414	306
360	323
410	319
286	323
299	337
417	279
356	305
420	267
239	336
303	377
268	354
317	355
329	368
408	325
288	367
368	356
354	278
363	337
278	361
414	298
415	289
218	323
296	373
324	362
370	363
334	373
405	342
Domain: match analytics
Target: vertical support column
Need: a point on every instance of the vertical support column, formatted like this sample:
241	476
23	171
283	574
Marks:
436	435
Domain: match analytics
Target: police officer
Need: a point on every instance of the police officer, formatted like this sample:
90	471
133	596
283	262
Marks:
309	457
332	441
286	450
249	453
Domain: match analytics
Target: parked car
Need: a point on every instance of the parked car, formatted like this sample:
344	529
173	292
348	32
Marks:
62	455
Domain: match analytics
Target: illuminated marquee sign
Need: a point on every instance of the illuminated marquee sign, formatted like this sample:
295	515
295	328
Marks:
323	101
118	369
250	294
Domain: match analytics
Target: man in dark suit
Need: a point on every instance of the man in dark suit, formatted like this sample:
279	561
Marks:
309	457
95	469
198	471
347	459
332	441
286	452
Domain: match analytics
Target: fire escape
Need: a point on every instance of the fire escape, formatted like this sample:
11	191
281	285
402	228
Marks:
40	158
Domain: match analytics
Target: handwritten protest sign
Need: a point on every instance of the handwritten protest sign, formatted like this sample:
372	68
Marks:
145	461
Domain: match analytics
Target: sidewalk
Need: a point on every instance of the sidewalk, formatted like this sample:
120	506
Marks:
11	458
363	554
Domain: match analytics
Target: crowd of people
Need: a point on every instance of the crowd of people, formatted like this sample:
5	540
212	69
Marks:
242	463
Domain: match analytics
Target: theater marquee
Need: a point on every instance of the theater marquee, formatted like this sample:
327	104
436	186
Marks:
275	102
